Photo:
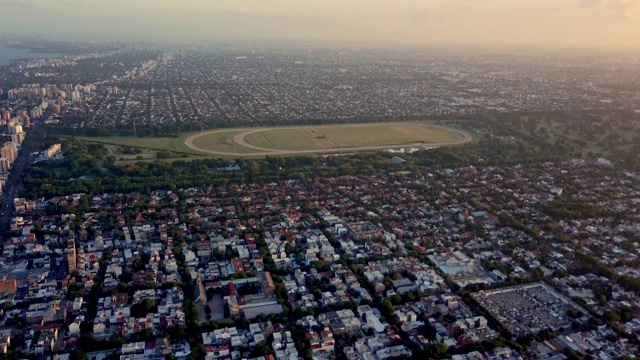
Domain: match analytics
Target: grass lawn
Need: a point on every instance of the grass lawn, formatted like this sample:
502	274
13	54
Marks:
221	141
285	139
152	143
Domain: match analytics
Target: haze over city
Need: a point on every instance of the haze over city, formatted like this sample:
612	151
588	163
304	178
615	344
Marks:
552	23
319	179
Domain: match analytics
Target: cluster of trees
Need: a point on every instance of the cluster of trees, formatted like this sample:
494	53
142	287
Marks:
128	150
574	313
607	132
542	335
143	308
588	264
165	154
92	173
565	210
629	283
53	176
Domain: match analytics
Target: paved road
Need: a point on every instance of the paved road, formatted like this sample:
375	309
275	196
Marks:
10	190
240	139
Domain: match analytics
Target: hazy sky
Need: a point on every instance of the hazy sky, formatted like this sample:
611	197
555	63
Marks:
613	23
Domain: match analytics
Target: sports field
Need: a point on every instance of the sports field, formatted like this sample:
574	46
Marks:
322	139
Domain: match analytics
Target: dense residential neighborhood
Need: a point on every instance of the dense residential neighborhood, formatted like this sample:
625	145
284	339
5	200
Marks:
358	271
171	88
519	244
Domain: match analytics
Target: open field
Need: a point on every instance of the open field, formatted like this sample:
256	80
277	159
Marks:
223	141
151	143
323	139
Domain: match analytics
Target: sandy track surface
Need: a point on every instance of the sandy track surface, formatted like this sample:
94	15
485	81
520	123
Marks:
240	139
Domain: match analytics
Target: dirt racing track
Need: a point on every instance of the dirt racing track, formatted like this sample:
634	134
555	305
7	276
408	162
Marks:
241	140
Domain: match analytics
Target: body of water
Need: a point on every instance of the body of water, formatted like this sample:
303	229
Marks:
8	53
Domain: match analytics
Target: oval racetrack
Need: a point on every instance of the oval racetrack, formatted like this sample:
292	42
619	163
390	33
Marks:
241	140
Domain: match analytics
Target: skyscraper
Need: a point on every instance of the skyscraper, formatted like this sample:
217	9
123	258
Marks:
8	151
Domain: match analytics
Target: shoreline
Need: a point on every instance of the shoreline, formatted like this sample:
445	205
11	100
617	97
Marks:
21	54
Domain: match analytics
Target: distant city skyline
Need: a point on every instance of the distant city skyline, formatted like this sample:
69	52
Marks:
572	23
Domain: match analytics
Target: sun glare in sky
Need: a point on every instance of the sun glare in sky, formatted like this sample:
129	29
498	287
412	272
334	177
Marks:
599	23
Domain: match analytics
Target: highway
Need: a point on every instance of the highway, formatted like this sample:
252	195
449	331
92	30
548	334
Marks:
10	190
